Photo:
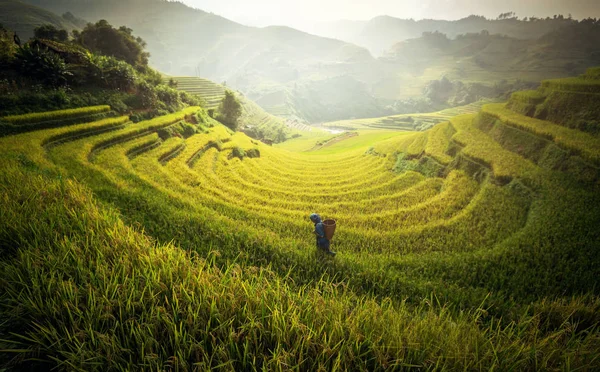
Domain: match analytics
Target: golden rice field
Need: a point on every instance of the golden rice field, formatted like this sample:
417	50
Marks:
410	122
469	246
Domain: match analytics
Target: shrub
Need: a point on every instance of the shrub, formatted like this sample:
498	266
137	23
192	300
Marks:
238	152
42	65
253	153
168	95
51	33
111	73
182	129
147	95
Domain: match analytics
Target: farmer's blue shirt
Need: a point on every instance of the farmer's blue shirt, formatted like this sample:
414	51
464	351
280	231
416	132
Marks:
322	241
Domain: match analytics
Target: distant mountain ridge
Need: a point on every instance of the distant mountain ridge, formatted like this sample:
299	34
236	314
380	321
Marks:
381	33
24	18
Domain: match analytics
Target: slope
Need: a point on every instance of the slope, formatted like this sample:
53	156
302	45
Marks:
312	79
381	33
463	247
23	18
255	122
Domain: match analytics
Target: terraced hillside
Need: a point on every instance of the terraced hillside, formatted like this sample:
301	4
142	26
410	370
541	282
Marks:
406	122
150	246
255	121
211	92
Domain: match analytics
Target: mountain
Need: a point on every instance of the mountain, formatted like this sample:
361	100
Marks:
261	62
381	33
23	18
314	79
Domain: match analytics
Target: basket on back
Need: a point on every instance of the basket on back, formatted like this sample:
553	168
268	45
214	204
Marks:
329	228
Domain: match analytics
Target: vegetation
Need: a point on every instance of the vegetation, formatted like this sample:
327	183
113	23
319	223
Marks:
229	111
407	121
309	79
52	74
137	232
120	43
154	249
23	18
569	102
50	32
23	123
254	121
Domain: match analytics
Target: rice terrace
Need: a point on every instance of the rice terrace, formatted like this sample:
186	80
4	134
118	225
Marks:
172	209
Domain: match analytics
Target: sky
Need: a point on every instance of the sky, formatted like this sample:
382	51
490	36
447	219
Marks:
301	13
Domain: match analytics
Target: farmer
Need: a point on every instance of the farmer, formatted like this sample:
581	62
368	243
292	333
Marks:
322	241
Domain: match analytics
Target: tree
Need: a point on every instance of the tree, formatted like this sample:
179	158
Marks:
230	111
51	33
120	43
111	73
7	47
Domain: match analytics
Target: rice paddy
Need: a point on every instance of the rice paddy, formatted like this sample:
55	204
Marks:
123	248
406	122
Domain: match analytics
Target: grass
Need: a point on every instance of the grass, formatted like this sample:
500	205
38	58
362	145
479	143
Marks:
575	84
55	115
577	141
122	251
477	145
255	121
528	96
212	93
407	121
439	141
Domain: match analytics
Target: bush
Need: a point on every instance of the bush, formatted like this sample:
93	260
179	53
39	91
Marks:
151	76
238	152
182	130
169	96
111	73
51	33
44	66
190	99
253	153
147	95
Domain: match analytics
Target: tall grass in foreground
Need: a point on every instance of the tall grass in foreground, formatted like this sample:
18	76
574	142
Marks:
80	290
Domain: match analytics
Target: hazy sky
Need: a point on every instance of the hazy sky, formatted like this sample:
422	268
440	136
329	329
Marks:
302	12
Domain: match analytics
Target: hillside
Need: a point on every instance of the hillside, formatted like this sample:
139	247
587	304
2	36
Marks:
255	121
261	62
381	33
167	25
482	65
312	79
24	18
149	246
410	122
